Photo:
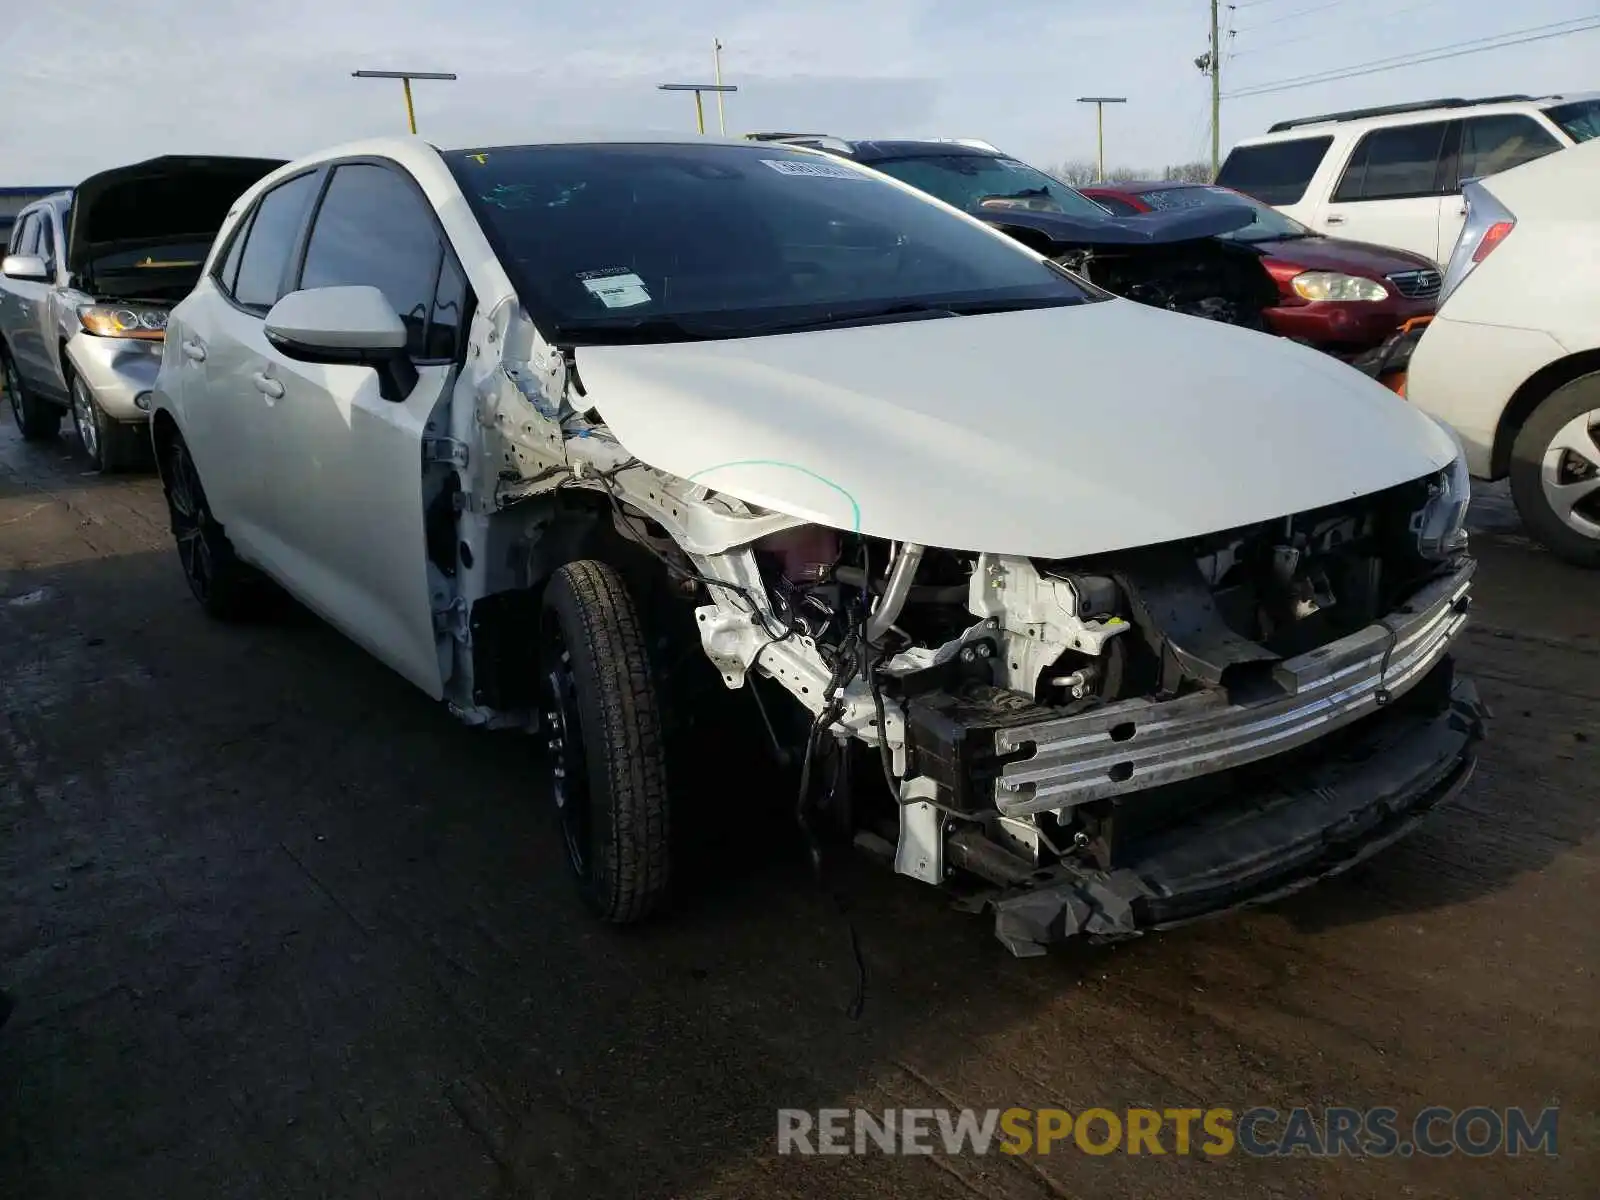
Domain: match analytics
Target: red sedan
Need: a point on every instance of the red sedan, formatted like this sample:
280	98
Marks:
1340	296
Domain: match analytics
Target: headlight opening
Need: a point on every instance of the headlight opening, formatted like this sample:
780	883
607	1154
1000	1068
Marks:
1440	524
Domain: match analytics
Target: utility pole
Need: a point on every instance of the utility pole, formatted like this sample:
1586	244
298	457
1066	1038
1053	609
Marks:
1210	63
405	77
1216	95
1100	103
716	57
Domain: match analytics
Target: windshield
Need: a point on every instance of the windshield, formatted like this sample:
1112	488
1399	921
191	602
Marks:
1579	120
1269	223
976	182
643	242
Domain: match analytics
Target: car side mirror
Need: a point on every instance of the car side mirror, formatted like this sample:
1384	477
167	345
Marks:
25	266
355	326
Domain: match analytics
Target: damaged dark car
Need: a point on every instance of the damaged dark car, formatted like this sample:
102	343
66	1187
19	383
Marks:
1168	260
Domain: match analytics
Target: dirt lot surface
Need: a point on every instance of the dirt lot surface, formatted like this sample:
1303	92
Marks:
276	926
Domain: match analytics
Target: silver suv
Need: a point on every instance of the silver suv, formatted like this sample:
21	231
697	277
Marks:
88	277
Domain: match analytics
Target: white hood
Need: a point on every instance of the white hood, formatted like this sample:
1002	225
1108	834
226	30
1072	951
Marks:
1051	432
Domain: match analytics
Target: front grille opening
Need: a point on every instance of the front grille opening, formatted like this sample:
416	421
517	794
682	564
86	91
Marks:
1421	284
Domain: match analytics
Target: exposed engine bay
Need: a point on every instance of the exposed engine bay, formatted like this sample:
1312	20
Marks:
1207	278
1046	730
1173	261
157	272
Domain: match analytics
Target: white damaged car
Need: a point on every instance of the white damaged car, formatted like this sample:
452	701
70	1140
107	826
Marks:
1108	617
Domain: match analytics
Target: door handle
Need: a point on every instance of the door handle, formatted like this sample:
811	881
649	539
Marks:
268	386
193	351
1334	219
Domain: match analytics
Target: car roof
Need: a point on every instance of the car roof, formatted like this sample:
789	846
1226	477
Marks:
423	159
578	135
60	199
1408	114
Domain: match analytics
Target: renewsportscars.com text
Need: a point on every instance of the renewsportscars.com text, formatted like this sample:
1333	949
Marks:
1260	1132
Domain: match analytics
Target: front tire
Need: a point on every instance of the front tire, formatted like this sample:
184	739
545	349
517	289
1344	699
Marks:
226	587
109	445
1555	472
36	419
607	754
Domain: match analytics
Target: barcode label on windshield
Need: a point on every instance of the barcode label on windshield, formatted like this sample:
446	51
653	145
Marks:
784	166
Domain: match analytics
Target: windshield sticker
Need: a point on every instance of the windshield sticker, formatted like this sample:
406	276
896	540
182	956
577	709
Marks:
617	287
784	166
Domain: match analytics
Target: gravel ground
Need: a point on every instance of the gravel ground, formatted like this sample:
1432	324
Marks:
277	927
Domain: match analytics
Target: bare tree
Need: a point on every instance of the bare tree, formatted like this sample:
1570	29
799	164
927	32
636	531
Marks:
1079	172
1189	172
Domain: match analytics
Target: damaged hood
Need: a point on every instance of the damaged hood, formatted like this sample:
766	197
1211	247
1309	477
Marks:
172	198
1052	433
1146	229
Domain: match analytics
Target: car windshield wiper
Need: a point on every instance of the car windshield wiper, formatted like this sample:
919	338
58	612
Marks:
1034	193
914	311
604	331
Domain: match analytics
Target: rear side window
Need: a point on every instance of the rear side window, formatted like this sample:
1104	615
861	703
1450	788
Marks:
264	261
1274	172
1490	145
1396	163
374	228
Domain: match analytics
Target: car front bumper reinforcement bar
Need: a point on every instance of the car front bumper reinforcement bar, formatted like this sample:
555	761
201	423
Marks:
1281	831
1138	744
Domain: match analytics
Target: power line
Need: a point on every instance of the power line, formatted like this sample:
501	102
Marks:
1304	12
1301	37
1384	19
1419	57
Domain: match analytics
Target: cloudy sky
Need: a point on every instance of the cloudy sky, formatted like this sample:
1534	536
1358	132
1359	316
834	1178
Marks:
89	84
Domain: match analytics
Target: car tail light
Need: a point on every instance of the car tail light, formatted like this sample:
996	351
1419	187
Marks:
1492	237
1488	224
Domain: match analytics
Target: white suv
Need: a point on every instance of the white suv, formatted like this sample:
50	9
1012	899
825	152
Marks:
1393	175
